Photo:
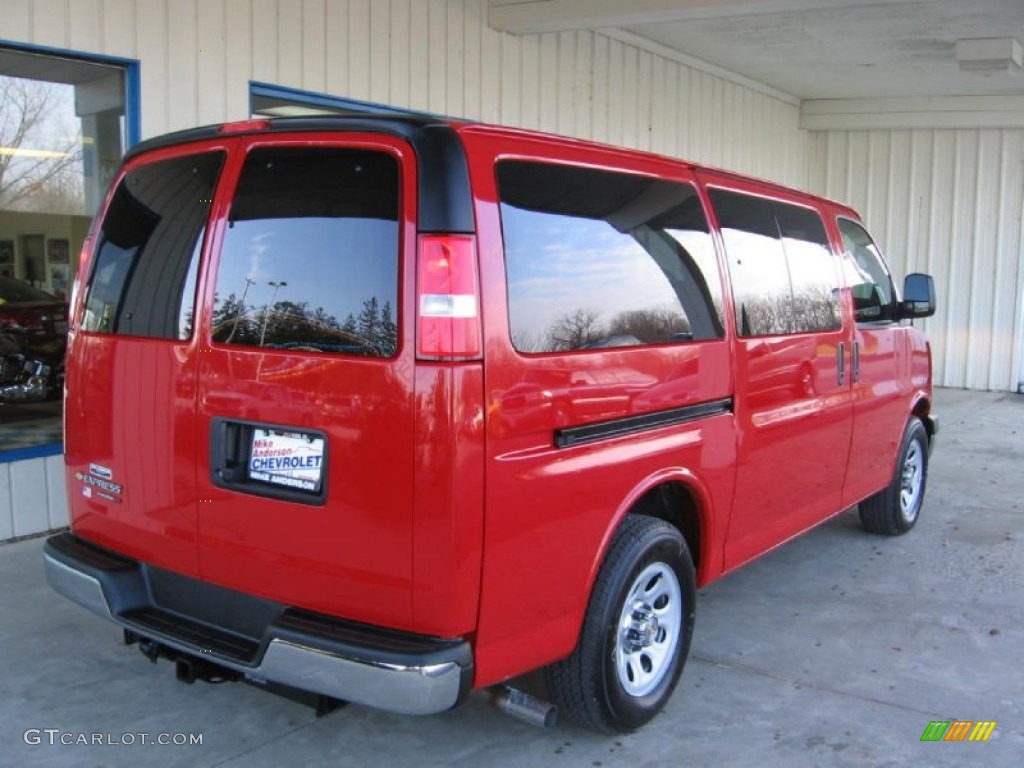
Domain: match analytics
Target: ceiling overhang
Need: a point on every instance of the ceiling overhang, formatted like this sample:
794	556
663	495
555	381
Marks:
810	49
533	16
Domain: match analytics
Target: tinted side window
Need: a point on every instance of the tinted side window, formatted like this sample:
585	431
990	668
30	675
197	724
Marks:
867	275
147	250
757	263
597	259
812	269
310	259
784	277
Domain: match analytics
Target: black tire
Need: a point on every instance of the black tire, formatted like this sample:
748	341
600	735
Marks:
895	509
588	686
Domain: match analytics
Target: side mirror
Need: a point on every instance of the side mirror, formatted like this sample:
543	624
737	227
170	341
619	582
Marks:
918	296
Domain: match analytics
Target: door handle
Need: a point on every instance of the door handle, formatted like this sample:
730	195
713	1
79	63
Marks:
855	373
841	363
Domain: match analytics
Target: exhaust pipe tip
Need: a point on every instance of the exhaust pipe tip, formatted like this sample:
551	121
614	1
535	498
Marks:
522	706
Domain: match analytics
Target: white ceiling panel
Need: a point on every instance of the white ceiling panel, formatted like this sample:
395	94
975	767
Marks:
813	49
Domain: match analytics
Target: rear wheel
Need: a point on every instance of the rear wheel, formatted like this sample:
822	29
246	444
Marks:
895	509
636	633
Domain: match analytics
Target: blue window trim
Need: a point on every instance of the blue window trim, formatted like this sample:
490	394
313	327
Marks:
132	87
270	91
35	452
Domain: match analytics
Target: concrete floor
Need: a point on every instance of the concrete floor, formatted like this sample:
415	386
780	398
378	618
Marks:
835	650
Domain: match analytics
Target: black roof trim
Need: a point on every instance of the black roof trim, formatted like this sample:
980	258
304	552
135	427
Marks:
445	198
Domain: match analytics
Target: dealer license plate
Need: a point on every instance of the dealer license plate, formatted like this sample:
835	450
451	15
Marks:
287	459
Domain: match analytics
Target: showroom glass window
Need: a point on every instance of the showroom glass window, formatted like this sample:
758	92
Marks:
63	127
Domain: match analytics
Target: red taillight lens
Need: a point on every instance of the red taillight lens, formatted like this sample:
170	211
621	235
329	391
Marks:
448	300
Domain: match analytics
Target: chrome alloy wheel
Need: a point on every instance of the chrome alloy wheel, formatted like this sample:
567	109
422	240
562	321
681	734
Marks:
911	480
648	630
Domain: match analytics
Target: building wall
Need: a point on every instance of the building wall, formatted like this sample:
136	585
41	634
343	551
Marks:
32	496
947	201
198	56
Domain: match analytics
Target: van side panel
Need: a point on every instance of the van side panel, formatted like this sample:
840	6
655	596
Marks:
551	506
543	545
448	519
793	408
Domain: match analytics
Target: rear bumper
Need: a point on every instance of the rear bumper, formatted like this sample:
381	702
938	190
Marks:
262	640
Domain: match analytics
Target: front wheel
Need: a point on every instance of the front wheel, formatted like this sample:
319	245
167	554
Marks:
895	509
636	633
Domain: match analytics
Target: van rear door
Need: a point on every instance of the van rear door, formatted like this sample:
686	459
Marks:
130	409
305	424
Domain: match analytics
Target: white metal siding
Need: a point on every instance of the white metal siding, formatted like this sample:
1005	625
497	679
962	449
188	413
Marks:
32	497
947	202
198	57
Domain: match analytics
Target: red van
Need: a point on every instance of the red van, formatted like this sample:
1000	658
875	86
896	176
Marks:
392	409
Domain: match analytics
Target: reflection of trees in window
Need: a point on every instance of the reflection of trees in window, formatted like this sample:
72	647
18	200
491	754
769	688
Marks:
575	330
295	325
807	311
584	329
816	308
651	326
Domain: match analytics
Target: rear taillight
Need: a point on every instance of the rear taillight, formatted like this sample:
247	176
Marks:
448	298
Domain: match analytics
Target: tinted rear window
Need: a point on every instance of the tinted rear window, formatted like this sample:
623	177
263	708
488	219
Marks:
310	259
147	250
599	259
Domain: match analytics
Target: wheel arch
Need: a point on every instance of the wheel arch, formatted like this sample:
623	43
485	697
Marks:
677	496
922	410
